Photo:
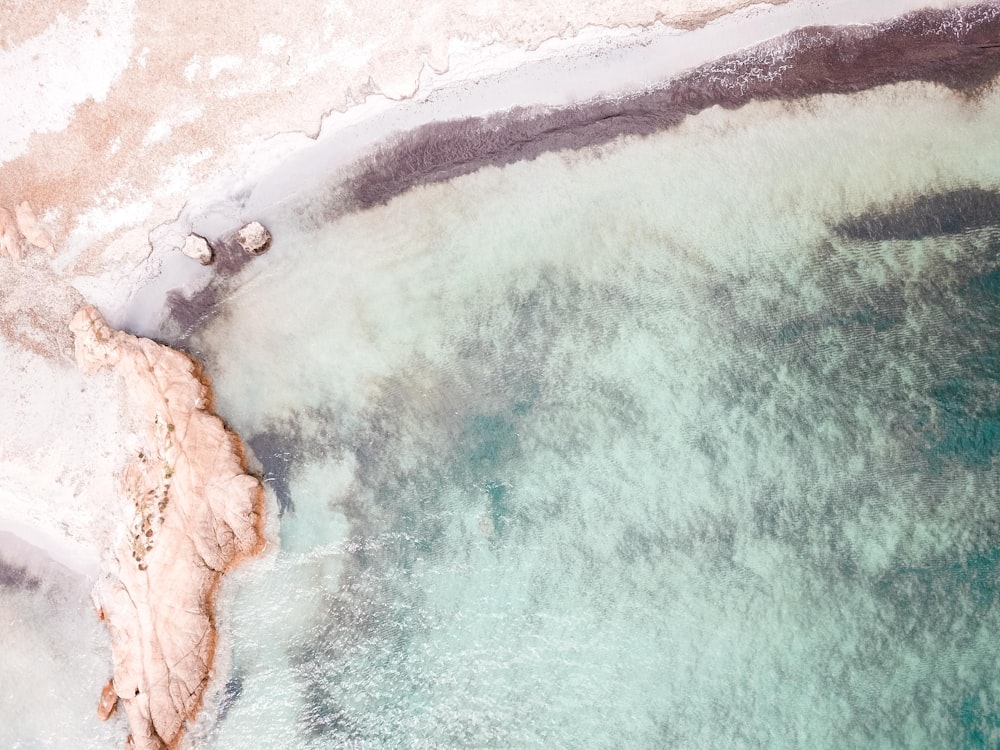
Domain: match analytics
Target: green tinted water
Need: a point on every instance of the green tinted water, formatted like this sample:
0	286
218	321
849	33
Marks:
633	449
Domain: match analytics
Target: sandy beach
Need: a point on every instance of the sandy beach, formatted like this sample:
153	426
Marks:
103	233
597	62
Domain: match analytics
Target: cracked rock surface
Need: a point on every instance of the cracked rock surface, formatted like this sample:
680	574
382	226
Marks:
197	512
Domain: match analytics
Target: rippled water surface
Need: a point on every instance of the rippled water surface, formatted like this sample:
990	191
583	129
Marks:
689	442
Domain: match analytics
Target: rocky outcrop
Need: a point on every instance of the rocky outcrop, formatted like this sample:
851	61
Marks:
31	228
197	247
22	230
10	238
254	238
195	512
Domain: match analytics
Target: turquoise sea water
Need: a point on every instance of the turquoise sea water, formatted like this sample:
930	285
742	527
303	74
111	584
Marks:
688	442
54	651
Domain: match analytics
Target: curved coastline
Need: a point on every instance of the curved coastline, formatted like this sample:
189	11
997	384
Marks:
955	48
950	47
595	81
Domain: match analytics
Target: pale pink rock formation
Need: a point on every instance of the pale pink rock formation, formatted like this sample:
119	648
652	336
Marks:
21	230
10	238
197	247
109	701
196	513
31	229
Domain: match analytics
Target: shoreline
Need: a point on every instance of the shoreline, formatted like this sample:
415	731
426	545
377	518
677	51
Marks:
196	513
344	136
72	556
944	47
293	165
548	76
808	62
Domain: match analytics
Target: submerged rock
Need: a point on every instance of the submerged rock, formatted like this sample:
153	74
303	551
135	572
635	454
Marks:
196	513
254	238
196	246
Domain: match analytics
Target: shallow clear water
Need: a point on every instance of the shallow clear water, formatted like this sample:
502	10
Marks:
54	655
631	448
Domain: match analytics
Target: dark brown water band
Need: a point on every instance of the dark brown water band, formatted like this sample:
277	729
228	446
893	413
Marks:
947	213
958	48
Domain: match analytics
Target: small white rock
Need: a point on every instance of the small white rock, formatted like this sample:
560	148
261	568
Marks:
197	247
254	238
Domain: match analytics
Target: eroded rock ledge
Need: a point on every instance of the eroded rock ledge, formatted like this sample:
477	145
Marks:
196	513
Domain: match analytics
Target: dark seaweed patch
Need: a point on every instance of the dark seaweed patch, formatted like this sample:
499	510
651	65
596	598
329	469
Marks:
275	451
490	441
231	693
188	313
869	318
952	212
963	417
979	720
423	461
16	577
933	588
230	257
802	356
